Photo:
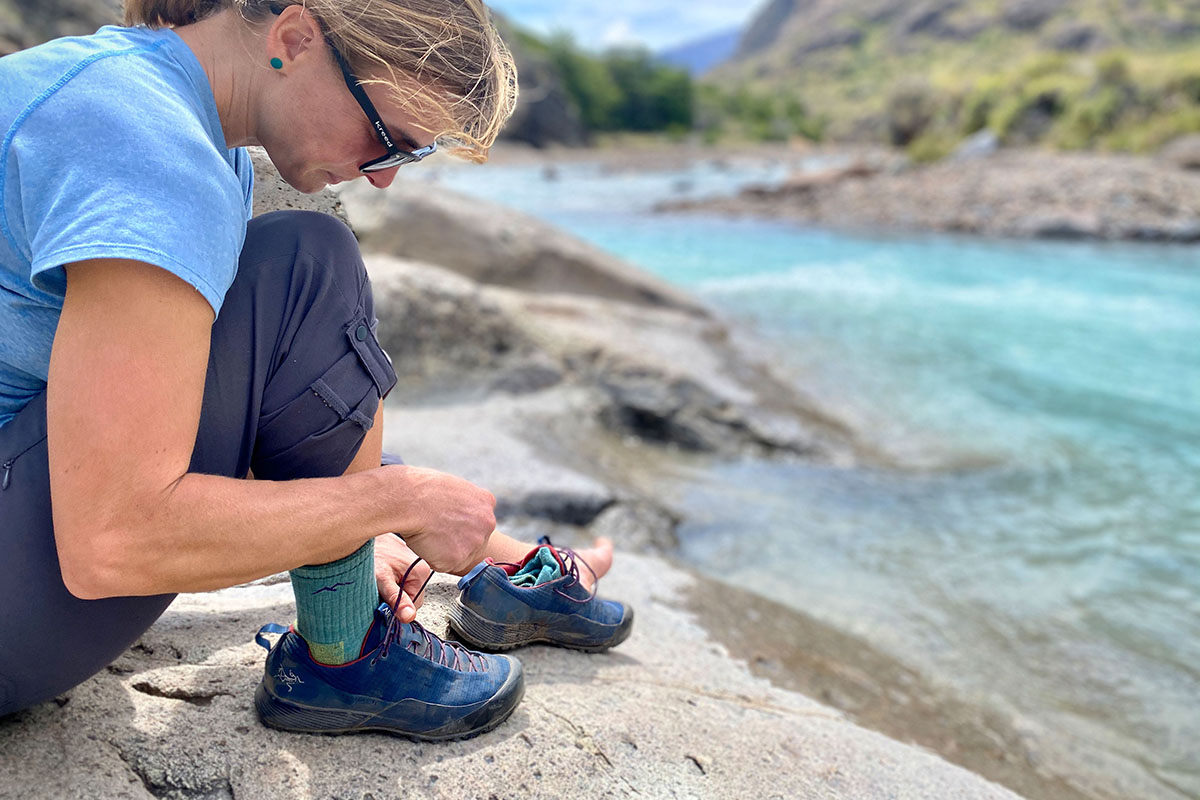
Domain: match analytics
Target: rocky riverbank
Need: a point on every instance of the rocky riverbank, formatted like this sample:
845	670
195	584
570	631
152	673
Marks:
1009	193
668	714
565	401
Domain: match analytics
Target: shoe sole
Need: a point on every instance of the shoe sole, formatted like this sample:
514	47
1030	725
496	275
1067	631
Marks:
482	633
284	715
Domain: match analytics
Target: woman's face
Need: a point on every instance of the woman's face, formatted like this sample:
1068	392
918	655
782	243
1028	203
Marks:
314	130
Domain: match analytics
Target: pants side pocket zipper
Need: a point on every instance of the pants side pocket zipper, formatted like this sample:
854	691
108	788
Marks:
8	465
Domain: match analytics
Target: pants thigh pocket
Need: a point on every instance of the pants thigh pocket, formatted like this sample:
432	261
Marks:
319	432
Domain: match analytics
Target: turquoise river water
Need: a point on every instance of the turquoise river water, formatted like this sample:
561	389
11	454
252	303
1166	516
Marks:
1036	548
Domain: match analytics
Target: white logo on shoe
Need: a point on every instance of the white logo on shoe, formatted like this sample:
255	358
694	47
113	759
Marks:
288	679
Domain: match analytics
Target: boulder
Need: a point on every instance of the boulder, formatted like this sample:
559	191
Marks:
927	17
440	328
828	40
1077	37
271	193
496	245
482	442
1069	225
658	376
1029	15
545	114
981	144
25	23
1182	152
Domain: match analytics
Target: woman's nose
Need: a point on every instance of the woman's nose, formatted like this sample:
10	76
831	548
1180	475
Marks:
383	178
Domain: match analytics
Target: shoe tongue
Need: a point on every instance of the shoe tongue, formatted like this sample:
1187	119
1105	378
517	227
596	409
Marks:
541	566
383	615
410	636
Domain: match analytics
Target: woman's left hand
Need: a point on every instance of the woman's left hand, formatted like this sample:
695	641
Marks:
392	558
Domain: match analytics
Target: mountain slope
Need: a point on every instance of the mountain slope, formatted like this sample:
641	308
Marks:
847	59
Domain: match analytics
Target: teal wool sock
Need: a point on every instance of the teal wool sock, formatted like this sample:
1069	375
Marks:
335	604
542	568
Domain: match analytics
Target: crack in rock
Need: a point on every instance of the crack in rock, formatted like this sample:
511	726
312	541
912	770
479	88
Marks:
583	739
197	697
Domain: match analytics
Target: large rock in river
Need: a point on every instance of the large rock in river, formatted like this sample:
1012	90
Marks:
496	245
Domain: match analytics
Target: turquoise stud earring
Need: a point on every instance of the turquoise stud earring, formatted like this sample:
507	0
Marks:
277	63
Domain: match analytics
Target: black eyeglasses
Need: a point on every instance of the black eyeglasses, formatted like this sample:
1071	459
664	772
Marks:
395	156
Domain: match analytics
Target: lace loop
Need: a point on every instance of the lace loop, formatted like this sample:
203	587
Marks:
429	645
567	554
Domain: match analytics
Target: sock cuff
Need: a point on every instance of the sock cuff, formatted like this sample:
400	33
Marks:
339	568
335	604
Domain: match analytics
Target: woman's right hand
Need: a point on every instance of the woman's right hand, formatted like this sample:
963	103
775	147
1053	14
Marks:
444	519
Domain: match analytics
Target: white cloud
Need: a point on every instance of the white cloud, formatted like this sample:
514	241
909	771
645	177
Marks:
655	23
617	33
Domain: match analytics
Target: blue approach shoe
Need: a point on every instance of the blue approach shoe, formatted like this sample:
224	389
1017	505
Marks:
501	606
407	682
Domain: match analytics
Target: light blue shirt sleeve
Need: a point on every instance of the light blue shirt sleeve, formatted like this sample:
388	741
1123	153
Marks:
107	180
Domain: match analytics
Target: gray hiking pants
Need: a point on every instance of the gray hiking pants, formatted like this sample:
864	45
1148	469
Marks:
295	375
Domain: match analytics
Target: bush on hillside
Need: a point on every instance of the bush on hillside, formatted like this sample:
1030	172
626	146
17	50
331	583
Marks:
911	109
758	116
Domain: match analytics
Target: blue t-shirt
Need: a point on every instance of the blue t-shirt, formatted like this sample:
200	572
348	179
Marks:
112	148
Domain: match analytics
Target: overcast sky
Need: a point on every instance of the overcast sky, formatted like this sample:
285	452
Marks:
655	23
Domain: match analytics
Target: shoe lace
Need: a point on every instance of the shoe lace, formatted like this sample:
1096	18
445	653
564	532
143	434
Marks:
428	645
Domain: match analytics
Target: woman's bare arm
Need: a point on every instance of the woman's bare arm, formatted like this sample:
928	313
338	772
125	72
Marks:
126	382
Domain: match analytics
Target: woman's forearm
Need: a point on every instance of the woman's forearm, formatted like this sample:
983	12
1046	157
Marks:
209	532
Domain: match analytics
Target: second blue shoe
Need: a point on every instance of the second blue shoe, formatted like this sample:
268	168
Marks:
542	599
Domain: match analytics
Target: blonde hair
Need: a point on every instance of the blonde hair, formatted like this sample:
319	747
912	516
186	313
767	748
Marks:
464	73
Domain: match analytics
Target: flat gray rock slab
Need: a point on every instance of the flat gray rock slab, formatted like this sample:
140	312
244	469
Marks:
481	443
667	714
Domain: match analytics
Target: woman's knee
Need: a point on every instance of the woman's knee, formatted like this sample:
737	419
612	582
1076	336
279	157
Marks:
310	245
295	371
319	402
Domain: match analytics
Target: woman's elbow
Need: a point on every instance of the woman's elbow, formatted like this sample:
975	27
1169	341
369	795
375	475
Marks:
92	568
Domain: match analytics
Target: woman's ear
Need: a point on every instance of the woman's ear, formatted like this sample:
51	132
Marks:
292	35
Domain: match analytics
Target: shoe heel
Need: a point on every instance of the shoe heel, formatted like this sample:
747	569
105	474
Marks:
278	713
483	634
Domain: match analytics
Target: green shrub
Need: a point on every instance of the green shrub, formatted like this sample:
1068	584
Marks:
1186	84
1091	117
1112	69
1042	65
977	107
911	107
930	147
1150	135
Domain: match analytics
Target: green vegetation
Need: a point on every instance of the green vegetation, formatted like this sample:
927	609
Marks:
623	89
919	91
1110	101
755	116
1117	75
627	89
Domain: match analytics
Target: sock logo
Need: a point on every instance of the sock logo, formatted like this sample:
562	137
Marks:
333	588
